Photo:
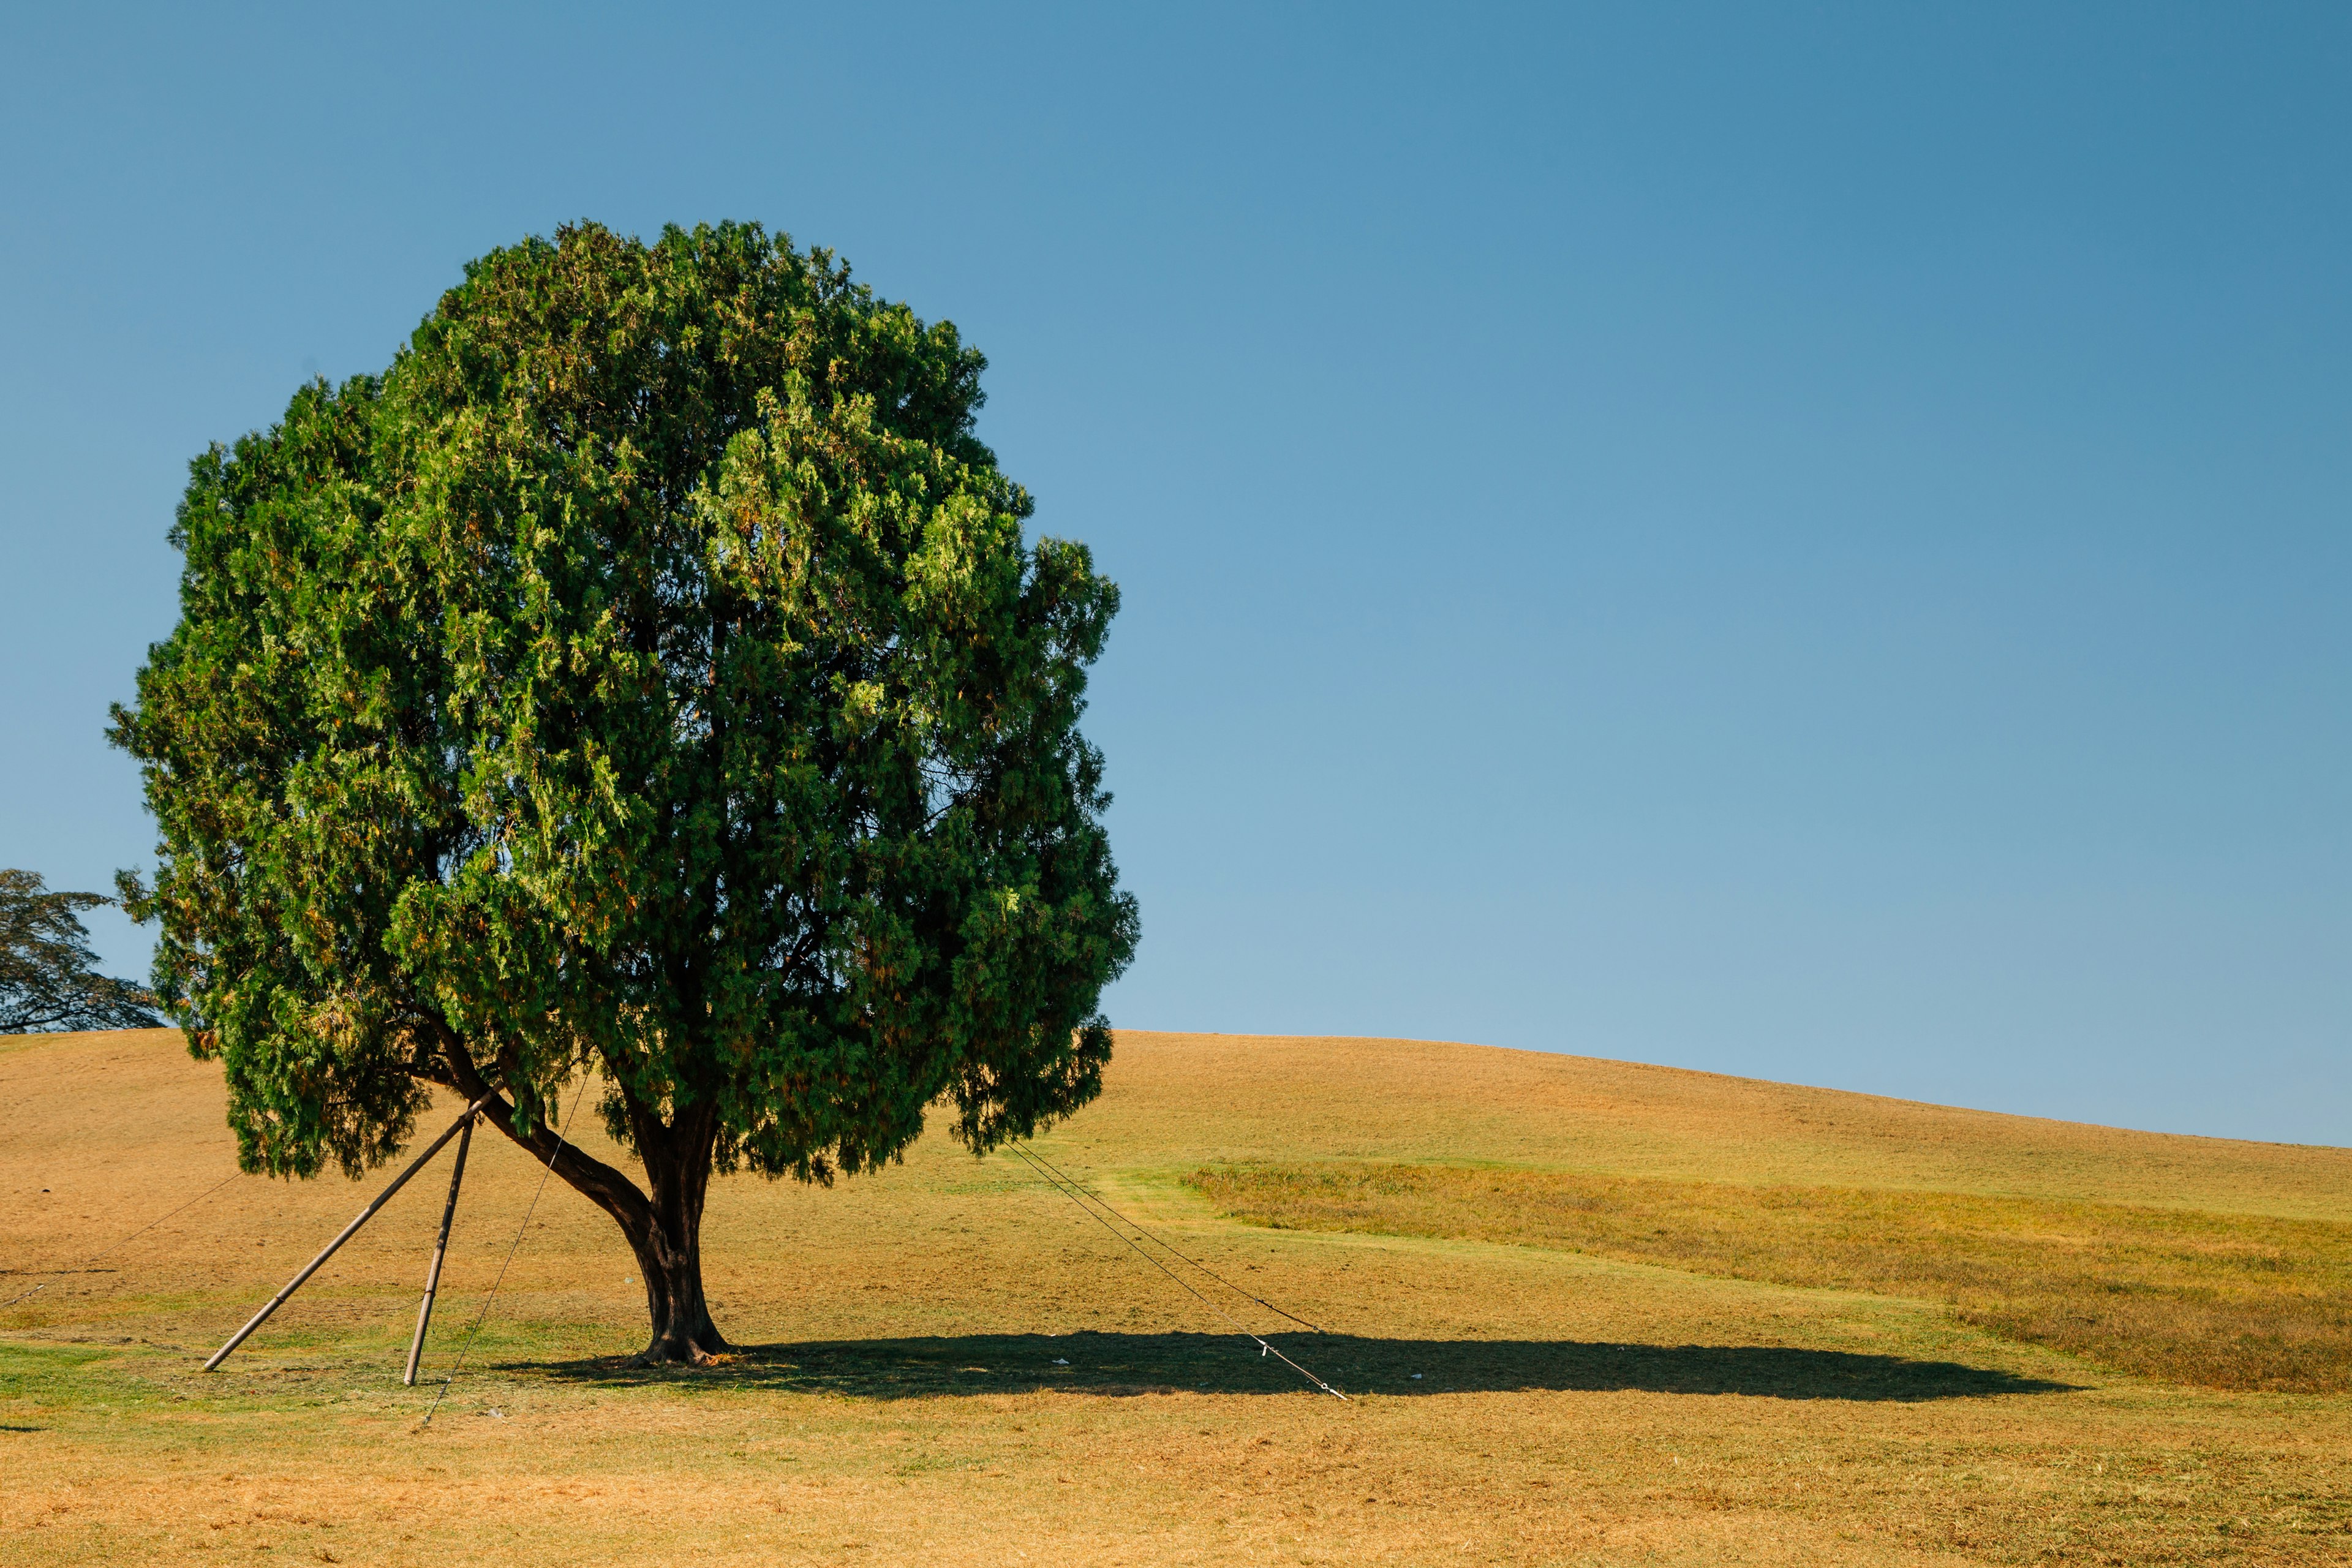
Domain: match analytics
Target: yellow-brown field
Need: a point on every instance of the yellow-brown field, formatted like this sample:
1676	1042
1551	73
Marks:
2214	1300
947	1362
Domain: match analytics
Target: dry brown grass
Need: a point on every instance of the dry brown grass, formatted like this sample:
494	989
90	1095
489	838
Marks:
1182	1100
901	1397
2235	1302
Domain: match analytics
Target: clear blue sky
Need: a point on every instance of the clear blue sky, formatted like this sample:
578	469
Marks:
1808	542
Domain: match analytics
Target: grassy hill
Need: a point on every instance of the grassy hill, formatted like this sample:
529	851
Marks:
1584	1312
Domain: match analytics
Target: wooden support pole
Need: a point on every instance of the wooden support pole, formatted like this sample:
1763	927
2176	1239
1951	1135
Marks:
350	1230
440	1247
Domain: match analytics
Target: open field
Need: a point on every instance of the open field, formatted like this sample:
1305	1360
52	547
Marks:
2218	1301
949	1362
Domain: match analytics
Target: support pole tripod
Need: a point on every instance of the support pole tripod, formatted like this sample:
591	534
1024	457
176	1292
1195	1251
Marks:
462	1124
440	1249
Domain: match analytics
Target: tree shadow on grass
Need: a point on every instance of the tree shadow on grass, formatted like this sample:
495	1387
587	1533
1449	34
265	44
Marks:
1099	1363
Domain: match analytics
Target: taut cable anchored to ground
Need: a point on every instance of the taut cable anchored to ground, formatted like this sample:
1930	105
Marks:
562	1137
93	1257
1079	1195
1163	1242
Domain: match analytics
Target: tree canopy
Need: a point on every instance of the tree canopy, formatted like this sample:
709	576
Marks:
646	674
49	976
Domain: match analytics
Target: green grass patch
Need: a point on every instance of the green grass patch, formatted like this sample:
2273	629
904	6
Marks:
2231	1301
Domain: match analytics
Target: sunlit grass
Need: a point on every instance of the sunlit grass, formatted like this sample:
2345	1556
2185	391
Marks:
947	1362
2232	1302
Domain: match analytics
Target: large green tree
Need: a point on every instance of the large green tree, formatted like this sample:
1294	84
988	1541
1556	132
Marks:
646	674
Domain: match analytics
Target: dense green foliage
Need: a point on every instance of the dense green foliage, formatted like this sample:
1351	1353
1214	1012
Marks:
47	976
646	673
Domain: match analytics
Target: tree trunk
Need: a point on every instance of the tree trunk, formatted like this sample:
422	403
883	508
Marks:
669	1245
663	1232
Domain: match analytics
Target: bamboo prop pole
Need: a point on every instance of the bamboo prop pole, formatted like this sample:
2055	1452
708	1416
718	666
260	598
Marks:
350	1230
440	1249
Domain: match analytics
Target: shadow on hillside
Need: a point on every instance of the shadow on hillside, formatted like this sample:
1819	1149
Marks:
1099	1363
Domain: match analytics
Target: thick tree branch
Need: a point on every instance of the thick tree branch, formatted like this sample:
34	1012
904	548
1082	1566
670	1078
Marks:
609	1189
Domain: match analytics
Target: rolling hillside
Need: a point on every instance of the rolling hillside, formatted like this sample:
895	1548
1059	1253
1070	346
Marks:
950	1360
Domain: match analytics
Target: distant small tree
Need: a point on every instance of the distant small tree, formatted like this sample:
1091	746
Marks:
648	673
48	978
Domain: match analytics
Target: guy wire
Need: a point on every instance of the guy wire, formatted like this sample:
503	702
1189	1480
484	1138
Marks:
55	1273
1264	1349
467	1349
1164	1242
